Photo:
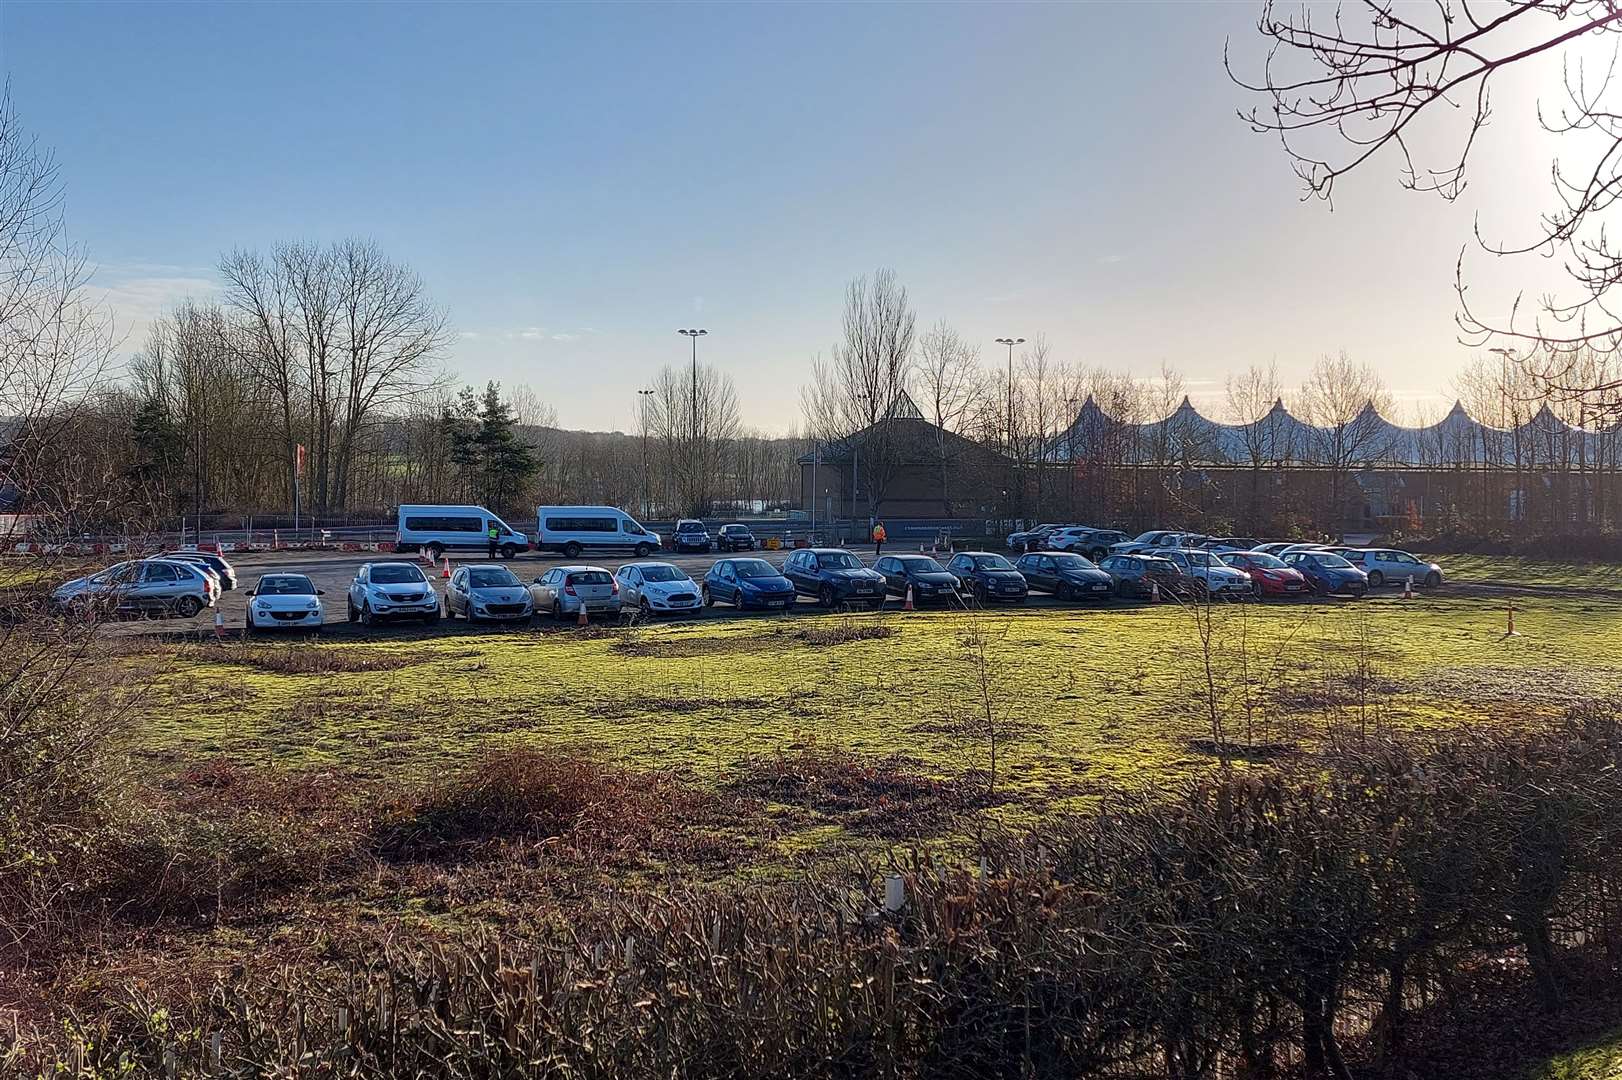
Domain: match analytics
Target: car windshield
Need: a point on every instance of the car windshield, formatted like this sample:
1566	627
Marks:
1333	561
1198	558
662	573
1261	561
992	562
1158	566
397	574
839	560
1144	538
689	526
734	530
493	578
754	568
287	585
922	564
1073	562
590	577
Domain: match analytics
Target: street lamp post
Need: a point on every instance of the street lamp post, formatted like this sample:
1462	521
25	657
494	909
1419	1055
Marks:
1010	342
642	397
694	335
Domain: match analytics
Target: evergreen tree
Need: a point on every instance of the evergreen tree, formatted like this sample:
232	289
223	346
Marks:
158	448
506	461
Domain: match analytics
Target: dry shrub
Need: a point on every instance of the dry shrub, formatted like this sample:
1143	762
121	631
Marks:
576	803
221	835
825	632
306	659
886	798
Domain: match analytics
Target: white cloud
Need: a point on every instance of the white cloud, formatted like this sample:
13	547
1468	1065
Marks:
565	337
1106	259
139	293
469	335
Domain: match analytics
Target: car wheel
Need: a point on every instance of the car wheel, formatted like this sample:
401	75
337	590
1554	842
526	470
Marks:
642	551
247	625
1376	578
365	613
1256	589
509	551
571	550
1062	592
436	552
451	615
187	607
1432	580
825	597
349	609
557	610
646	608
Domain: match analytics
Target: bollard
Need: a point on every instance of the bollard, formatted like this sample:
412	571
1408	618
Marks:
895	893
219	626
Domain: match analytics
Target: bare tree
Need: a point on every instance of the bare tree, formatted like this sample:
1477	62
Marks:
1344	89
949	381
1251	397
694	421
1343	400
855	394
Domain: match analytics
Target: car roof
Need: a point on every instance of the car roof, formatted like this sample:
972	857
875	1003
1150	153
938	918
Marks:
482	566
391	562
576	568
828	551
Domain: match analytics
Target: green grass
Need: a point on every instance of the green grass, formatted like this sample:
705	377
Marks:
1087	699
1518	570
1600	1060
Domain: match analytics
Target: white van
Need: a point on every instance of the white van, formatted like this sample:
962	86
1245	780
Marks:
439	529
576	529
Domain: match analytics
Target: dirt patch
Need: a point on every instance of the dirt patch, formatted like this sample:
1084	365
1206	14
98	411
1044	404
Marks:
677	704
887	798
689	646
825	632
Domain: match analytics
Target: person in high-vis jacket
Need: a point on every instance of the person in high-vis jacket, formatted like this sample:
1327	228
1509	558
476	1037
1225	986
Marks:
492	535
878	538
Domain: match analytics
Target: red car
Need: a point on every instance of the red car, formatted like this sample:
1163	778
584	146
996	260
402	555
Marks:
1268	574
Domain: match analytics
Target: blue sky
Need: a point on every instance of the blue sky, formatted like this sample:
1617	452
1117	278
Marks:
574	182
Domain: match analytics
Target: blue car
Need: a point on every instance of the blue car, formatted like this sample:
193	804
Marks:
1328	573
748	583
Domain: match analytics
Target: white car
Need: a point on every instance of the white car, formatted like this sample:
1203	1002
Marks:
658	588
284	601
1070	538
1216	577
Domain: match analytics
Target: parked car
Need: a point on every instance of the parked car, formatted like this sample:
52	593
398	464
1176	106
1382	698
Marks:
1269	575
284	601
1099	542
1390	565
691	535
833	576
987	577
575	530
1029	539
223	570
1135	575
1065	574
437	529
748	583
1157	539
140	586
658	588
929	580
1279	547
1328	573
487	592
1206	575
1065	539
564	590
734	538
391	590
1221	544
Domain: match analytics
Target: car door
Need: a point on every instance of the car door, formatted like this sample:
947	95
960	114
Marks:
157	586
727	574
545	590
796	570
960	567
357	589
894	580
456	599
630	586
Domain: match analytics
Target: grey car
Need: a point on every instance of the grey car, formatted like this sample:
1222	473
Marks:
140	586
487	591
565	590
1388	565
391	590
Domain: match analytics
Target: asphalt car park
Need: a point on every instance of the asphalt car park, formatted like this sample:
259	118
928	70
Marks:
333	571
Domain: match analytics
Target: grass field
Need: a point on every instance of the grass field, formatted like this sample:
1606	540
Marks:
1086	700
1600	1060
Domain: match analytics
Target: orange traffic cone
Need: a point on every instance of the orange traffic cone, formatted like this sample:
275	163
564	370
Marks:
1408	588
584	619
445	571
908	605
219	626
1154	591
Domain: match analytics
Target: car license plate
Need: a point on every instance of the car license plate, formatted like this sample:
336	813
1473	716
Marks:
864	588
1100	588
776	603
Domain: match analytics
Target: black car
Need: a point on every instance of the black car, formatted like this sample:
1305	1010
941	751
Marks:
734	538
929	580
1066	575
1138	575
988	576
690	535
833	576
1099	541
217	563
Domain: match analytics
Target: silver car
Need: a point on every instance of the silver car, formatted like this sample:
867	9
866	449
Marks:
1389	565
565	590
658	588
487	592
141	586
391	590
